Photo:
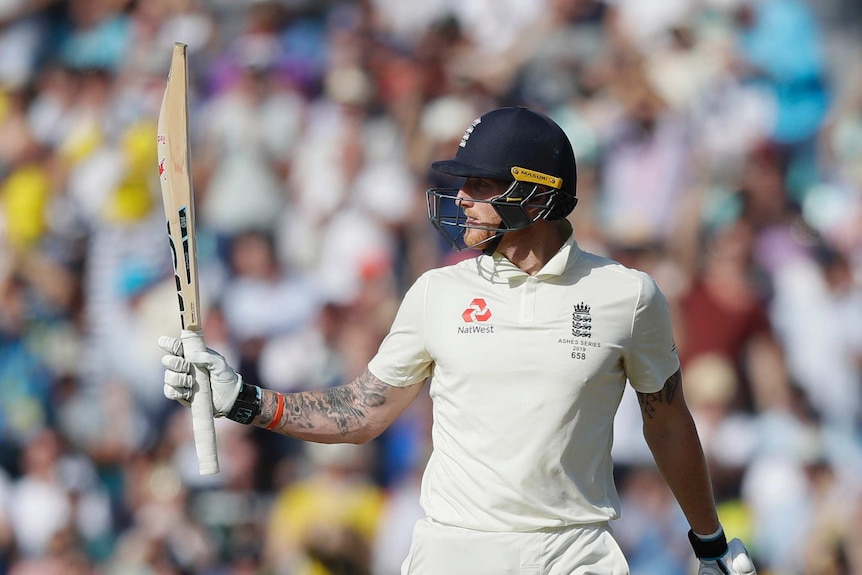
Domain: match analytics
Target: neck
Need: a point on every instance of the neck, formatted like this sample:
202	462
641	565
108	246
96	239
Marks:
531	248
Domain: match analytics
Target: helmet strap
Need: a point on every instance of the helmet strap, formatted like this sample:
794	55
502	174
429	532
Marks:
491	245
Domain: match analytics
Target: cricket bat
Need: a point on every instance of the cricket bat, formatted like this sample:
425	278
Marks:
178	198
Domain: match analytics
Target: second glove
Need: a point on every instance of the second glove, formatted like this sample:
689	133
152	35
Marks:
718	557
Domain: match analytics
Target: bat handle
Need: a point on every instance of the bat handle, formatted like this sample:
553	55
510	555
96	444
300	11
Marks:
203	424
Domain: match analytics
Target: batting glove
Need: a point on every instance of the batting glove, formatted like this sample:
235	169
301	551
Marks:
225	382
718	557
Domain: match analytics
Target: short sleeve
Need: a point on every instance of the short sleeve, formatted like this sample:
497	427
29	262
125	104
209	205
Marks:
402	359
651	357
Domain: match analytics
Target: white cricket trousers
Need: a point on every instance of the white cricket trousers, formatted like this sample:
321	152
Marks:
439	549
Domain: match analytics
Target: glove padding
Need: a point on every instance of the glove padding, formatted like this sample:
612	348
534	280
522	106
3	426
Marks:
734	561
179	381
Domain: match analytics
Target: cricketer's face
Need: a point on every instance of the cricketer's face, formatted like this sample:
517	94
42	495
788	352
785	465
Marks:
474	199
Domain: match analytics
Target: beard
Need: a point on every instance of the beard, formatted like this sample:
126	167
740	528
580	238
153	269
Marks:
473	237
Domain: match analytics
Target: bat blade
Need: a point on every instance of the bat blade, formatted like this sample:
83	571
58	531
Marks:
178	199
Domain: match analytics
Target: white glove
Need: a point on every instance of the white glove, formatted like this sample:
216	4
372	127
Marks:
225	382
735	559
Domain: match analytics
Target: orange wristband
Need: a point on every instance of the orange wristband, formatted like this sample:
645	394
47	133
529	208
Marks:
279	409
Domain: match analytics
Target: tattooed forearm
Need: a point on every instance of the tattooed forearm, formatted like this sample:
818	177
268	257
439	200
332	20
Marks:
346	406
651	402
333	413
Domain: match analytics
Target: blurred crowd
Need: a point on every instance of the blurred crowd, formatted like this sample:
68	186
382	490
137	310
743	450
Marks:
719	147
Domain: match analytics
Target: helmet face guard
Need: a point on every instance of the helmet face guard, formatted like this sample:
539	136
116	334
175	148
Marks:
525	149
531	196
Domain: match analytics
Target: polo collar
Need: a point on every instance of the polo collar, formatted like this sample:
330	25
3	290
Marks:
498	267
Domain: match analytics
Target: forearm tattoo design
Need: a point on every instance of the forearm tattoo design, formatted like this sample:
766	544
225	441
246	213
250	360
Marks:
650	402
346	406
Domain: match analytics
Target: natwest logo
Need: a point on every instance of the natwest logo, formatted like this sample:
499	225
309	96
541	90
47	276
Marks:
478	311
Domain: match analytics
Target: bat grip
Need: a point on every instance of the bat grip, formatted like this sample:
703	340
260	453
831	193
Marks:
203	424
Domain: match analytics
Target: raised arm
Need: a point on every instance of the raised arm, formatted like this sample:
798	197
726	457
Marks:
352	413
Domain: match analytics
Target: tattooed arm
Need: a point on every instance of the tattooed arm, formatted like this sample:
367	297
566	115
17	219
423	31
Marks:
671	435
352	413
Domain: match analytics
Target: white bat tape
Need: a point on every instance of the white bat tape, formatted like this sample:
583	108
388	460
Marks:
203	424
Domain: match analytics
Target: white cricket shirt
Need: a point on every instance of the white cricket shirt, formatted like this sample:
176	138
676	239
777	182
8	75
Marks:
526	377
